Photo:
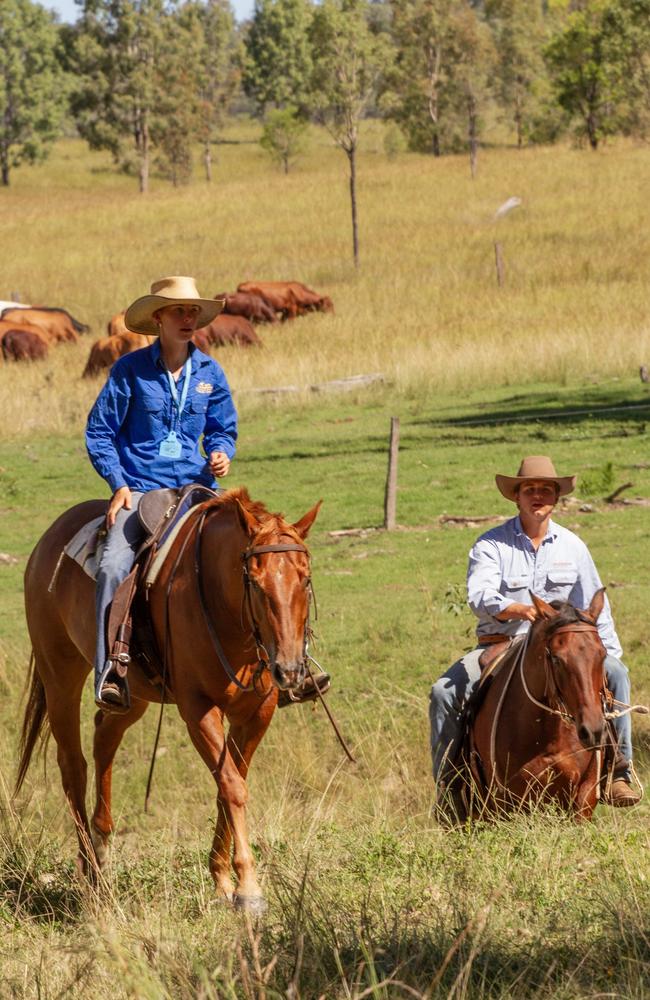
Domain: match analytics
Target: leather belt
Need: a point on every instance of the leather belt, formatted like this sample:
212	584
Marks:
492	639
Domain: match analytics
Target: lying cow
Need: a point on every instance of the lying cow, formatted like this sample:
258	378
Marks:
105	351
280	300
253	307
57	325
229	330
299	298
23	344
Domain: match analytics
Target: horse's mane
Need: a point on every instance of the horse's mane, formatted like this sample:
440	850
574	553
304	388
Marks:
270	523
567	616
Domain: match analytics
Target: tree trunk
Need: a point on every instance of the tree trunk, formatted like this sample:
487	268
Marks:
5	172
472	133
435	144
207	160
592	130
144	157
352	157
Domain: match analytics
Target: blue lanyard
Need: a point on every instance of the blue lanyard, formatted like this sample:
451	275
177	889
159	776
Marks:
180	405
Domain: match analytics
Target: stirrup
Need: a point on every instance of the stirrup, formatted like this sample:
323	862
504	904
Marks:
113	693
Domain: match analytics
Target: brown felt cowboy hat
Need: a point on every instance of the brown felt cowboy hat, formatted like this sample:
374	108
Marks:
174	291
534	467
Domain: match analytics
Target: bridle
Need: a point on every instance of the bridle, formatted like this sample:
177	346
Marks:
551	686
263	657
582	625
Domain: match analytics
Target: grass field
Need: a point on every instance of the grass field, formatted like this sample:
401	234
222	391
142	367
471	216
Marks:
368	896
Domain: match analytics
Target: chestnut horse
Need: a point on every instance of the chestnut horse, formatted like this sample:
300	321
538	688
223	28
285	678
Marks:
540	730
235	587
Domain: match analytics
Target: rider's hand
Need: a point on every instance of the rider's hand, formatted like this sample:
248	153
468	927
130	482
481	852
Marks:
518	612
121	498
219	463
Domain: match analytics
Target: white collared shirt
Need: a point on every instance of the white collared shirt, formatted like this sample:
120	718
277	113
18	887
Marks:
504	568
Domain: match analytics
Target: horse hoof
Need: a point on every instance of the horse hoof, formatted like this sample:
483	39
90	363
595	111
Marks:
256	905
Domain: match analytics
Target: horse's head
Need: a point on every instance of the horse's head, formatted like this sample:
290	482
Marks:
573	659
277	590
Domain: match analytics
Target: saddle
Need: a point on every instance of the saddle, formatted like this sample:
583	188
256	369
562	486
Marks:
129	631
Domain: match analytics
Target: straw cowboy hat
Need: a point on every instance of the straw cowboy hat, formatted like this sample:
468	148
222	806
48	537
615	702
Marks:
534	467
174	291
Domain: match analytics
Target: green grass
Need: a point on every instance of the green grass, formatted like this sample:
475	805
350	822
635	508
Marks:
362	883
368	896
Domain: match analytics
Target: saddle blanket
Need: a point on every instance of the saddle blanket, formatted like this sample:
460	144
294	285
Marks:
87	546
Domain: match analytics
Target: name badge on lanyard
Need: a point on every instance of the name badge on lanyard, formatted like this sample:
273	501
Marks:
171	447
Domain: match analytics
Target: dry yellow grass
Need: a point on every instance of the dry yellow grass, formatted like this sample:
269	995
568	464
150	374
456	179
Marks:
424	308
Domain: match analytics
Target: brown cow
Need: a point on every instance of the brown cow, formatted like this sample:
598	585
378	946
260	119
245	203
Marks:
253	307
281	300
116	326
304	299
230	330
56	324
105	351
23	344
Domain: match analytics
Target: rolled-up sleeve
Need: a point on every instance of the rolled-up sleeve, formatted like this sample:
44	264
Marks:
586	585
220	433
484	577
104	423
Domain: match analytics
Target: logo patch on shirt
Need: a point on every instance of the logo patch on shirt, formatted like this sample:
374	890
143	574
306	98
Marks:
205	388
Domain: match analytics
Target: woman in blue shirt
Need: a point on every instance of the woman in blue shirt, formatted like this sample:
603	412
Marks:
144	433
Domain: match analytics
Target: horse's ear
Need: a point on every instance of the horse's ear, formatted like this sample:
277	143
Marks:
304	524
545	610
597	604
249	522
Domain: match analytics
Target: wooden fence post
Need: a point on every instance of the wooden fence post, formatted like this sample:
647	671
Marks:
390	497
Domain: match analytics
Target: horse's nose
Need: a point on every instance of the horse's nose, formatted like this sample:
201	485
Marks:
288	676
590	737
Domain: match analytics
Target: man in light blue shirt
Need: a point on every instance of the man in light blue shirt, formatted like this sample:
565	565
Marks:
529	552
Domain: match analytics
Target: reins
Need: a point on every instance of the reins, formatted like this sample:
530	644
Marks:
247	603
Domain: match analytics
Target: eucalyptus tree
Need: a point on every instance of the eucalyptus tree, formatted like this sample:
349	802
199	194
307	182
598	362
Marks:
520	30
278	57
416	86
350	59
118	48
584	71
214	52
33	85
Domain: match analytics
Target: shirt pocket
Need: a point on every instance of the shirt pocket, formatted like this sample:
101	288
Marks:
560	583
150	417
194	417
517	588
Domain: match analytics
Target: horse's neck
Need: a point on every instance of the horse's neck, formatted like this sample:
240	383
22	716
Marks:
224	543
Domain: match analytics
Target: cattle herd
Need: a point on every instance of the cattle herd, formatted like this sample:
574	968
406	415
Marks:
27	333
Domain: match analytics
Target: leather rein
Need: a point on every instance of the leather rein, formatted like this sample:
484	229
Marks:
550	684
263	658
551	681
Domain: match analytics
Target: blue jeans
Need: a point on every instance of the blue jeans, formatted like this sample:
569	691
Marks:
124	540
451	692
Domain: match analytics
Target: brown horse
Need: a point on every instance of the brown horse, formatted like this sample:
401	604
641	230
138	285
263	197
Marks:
235	588
540	730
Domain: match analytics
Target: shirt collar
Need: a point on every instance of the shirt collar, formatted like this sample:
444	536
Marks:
158	361
551	532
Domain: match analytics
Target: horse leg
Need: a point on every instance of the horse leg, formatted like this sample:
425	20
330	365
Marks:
207	734
109	730
64	713
243	741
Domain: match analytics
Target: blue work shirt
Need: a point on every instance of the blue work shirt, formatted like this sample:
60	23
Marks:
504	568
135	411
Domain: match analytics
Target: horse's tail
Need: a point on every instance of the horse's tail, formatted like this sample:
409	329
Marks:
35	718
